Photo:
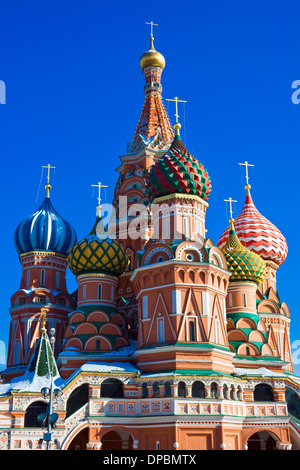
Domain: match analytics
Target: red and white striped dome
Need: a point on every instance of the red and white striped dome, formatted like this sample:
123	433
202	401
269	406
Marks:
258	234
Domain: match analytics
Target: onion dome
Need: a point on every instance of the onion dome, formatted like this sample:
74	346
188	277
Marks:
97	253
179	172
243	264
152	57
258	234
45	230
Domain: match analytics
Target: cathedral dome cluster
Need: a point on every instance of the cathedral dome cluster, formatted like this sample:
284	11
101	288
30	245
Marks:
179	172
97	253
45	230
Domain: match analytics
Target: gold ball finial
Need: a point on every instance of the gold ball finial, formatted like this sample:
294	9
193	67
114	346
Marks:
48	187
152	57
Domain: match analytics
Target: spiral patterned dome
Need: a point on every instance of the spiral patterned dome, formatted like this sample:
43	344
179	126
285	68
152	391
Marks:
243	264
179	172
45	230
258	234
97	253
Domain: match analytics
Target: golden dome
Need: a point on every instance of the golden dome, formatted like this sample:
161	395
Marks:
152	57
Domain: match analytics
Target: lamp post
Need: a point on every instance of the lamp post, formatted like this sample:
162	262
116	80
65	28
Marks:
50	417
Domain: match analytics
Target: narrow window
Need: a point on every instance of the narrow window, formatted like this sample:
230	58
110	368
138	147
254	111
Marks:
245	300
28	277
42	278
112	293
84	292
230	300
160	330
145	307
99	291
192	331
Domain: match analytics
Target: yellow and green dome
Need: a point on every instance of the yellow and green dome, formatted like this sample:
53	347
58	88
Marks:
97	253
243	263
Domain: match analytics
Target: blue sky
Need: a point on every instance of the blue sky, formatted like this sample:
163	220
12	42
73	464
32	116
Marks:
74	93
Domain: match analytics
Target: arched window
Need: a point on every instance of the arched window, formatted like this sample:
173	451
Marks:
198	389
239	393
263	392
214	390
225	391
32	412
145	390
181	389
112	388
78	398
155	390
232	392
167	389
293	402
192	331
98	344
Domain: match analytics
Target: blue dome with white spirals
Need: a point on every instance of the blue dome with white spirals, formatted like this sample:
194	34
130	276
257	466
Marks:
45	230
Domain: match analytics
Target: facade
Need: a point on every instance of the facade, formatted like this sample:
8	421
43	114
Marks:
171	341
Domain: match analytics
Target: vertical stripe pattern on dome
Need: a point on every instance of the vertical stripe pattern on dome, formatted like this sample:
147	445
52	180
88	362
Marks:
45	230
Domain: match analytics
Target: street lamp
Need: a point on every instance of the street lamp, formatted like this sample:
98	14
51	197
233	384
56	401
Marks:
49	418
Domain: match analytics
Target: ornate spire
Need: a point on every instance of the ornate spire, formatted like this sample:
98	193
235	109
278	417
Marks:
154	121
43	362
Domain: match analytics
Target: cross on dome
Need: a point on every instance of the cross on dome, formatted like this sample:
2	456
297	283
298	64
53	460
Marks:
177	126
48	186
246	164
230	200
151	24
99	186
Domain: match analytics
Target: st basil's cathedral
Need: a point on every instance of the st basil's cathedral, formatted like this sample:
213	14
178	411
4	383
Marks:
172	341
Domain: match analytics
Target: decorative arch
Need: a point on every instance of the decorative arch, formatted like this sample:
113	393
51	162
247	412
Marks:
155	252
253	350
85	328
105	344
98	316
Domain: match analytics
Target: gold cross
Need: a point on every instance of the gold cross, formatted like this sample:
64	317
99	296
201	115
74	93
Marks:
152	24
176	106
99	186
246	164
230	200
49	168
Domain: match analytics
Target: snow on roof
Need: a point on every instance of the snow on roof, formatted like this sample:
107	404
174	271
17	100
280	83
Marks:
262	371
29	382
